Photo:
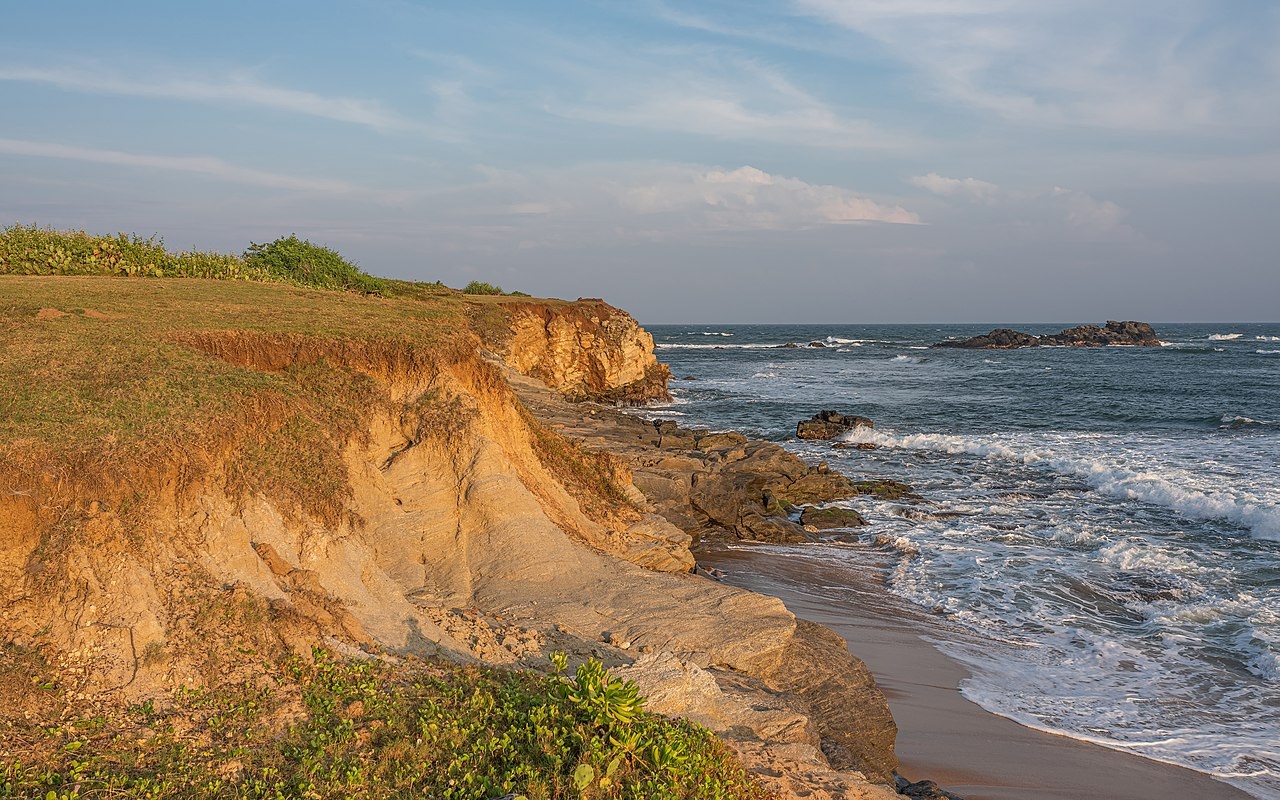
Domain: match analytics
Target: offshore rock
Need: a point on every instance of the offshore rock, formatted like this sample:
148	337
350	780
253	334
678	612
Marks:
830	424
1137	334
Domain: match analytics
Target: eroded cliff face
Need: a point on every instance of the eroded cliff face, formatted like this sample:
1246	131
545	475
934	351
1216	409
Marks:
586	350
468	530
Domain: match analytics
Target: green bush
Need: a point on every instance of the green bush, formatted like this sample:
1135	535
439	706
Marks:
299	261
480	287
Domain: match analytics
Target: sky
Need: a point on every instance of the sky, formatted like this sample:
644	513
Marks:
825	161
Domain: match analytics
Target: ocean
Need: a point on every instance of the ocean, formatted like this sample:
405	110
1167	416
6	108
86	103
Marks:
1103	523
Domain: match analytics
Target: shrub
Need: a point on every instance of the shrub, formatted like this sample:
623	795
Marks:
480	287
299	261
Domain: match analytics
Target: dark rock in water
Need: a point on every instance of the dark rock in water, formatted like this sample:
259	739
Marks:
788	346
867	446
1113	333
830	424
818	344
689	378
923	790
886	489
1130	333
824	519
998	339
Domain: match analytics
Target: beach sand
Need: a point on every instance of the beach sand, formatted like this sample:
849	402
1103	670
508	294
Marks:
942	736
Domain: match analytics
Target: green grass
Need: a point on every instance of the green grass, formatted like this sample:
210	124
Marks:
115	376
327	728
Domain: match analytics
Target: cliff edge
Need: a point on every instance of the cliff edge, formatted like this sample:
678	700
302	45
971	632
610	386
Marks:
199	476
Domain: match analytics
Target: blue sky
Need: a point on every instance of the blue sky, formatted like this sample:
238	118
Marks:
801	161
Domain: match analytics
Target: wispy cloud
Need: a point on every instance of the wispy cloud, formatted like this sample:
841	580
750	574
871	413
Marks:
1174	67
940	185
199	165
707	91
238	88
1078	210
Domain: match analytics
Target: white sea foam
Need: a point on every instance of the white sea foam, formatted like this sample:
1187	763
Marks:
1224	337
716	333
907	359
1261	518
683	346
1267	352
1267	338
765	375
1238	421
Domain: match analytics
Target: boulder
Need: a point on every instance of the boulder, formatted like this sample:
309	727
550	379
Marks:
825	519
830	424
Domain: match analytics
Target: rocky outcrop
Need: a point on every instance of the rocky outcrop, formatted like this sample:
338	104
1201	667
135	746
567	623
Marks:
1113	333
829	425
586	350
1130	333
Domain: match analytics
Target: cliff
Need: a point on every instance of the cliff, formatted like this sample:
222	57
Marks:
586	350
327	469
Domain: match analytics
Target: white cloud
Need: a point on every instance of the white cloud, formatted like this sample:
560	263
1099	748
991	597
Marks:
749	198
940	185
238	88
200	165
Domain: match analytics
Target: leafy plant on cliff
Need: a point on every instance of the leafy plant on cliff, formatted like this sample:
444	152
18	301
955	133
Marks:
480	287
329	728
298	260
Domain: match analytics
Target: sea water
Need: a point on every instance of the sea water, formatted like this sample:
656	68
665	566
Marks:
1106	520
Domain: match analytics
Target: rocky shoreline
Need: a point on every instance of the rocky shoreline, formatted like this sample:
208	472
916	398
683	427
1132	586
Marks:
725	487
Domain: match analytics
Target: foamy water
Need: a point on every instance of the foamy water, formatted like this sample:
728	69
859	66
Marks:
1107	520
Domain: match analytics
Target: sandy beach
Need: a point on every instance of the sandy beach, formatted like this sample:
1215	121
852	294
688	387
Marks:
941	735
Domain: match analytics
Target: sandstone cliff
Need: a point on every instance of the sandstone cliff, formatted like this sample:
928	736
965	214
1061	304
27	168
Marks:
585	350
456	524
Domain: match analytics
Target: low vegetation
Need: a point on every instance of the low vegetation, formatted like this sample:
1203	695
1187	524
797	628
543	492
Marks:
480	287
329	728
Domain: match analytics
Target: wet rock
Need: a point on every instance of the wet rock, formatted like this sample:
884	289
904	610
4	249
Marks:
924	790
830	424
825	519
886	489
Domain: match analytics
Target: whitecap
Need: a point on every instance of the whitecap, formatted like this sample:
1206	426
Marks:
681	346
1261	518
1224	337
907	359
1267	352
1267	338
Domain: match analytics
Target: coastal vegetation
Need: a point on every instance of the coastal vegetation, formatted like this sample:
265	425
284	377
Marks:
326	727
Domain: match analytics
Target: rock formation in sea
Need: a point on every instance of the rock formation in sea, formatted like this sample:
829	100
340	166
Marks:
1130	333
830	424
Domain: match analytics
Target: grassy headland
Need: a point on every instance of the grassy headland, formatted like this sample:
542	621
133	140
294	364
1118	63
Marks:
119	361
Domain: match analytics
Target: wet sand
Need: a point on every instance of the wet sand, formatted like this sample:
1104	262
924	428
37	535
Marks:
941	735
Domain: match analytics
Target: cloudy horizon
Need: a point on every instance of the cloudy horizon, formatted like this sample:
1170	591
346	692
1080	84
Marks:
836	161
